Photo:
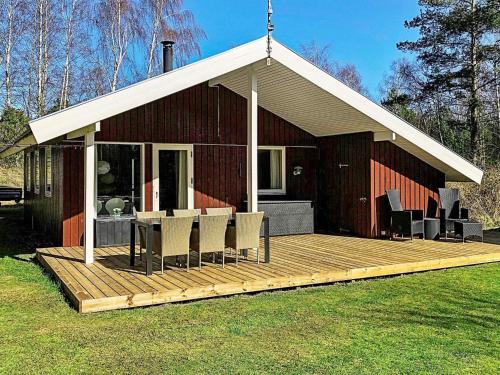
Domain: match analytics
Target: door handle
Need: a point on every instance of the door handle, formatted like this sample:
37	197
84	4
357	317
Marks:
363	200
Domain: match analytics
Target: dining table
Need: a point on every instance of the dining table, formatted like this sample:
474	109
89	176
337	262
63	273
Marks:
152	225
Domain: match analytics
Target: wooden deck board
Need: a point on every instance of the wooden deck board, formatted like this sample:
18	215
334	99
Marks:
110	283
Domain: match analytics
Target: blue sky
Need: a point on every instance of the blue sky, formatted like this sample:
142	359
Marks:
362	32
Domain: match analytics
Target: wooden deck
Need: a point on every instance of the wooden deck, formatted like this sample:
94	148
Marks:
110	283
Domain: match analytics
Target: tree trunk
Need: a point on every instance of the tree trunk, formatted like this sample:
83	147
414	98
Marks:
497	104
8	54
474	100
42	55
119	32
64	95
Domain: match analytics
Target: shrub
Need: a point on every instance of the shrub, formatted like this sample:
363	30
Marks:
483	200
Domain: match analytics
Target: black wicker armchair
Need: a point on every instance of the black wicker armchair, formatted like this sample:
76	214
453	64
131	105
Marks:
404	222
450	210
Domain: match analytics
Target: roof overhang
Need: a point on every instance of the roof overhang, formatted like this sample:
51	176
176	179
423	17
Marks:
23	141
105	106
291	87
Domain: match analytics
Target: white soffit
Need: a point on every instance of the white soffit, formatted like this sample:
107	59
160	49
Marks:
310	98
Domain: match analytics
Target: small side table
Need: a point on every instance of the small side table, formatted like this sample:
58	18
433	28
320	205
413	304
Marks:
431	229
468	228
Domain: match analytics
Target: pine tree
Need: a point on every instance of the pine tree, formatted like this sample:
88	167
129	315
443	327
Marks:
458	39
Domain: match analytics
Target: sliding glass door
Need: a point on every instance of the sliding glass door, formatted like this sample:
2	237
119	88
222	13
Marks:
118	179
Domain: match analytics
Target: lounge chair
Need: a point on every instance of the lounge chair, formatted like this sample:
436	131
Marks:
450	210
246	233
410	222
210	236
173	239
142	230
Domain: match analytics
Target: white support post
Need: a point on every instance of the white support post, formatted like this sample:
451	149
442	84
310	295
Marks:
252	128
89	197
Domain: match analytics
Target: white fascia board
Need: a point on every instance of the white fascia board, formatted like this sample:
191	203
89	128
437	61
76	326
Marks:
100	108
364	105
384	136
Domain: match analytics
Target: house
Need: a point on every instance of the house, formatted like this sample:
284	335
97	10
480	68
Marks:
237	129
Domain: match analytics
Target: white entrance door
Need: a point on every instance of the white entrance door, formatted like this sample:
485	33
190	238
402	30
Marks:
172	176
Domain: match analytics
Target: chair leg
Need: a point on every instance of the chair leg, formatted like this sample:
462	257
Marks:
258	259
199	260
187	262
236	257
223	257
162	264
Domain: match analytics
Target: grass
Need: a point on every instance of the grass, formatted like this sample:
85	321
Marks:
436	322
11	176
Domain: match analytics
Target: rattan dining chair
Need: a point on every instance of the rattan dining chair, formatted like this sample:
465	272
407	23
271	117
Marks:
246	233
220	211
173	239
187	212
210	236
142	230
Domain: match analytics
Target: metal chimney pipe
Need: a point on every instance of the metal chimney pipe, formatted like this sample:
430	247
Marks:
168	55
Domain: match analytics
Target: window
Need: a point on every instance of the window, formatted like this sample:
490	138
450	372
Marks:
28	171
118	176
48	171
271	164
36	170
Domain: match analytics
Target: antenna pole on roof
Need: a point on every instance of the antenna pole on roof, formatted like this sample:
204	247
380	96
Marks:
270	29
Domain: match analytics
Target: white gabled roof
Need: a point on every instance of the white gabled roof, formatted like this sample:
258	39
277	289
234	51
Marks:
291	87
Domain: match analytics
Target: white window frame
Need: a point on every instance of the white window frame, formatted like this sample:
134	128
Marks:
190	168
48	192
143	166
281	191
28	170
36	171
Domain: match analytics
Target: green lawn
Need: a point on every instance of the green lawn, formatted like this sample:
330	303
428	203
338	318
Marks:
436	322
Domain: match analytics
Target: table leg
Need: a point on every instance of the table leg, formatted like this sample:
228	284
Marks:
132	244
267	254
149	250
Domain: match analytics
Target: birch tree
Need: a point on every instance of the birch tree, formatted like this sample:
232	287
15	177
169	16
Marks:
43	20
12	28
68	12
116	26
167	19
347	74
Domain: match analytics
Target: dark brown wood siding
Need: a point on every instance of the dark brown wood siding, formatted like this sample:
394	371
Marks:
394	168
368	169
42	211
344	183
345	175
214	120
73	218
